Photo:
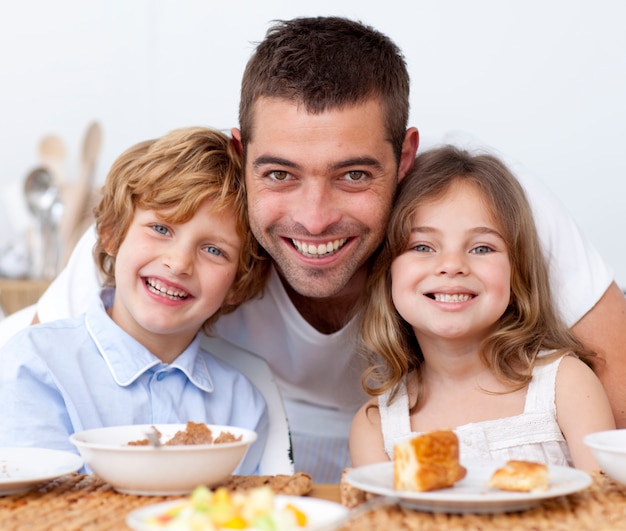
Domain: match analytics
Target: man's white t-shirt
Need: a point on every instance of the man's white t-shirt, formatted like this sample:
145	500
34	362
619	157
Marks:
319	374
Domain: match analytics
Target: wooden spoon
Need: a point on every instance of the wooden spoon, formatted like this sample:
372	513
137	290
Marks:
52	155
78	195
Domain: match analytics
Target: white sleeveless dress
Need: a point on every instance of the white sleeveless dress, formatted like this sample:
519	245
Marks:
533	435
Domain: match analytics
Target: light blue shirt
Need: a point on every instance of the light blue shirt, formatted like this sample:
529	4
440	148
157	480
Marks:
75	374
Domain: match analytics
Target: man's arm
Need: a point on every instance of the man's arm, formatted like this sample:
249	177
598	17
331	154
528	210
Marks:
603	329
70	292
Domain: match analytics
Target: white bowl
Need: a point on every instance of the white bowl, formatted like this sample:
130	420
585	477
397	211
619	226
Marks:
162	471
609	449
321	514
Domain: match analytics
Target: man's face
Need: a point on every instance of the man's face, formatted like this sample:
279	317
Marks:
320	189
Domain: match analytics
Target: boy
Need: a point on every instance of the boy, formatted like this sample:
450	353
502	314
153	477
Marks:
175	253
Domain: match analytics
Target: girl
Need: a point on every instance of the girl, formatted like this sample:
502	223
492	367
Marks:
461	331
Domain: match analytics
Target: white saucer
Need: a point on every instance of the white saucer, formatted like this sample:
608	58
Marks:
23	468
471	494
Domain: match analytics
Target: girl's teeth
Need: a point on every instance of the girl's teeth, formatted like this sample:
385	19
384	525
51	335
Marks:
444	297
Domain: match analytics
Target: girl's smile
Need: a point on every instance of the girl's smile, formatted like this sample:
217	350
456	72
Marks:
453	281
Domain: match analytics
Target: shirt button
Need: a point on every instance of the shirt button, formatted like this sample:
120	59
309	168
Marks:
160	376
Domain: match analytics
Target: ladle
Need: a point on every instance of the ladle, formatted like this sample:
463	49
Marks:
40	191
42	197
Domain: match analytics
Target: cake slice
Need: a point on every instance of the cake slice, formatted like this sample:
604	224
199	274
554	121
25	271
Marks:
427	462
521	476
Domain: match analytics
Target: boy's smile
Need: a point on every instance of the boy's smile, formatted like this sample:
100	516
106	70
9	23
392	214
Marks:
171	277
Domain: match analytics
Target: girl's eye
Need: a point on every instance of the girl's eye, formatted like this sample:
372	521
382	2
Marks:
213	250
422	248
482	249
160	229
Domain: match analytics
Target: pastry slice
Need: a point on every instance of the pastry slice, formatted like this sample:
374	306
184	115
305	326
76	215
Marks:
523	476
427	462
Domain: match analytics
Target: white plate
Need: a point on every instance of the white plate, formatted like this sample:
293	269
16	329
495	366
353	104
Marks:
471	494
23	468
320	513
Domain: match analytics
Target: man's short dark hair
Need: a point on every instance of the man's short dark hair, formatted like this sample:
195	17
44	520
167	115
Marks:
327	63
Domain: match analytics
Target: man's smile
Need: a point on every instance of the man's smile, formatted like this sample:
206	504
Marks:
320	249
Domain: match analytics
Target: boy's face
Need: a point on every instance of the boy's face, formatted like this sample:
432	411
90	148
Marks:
171	277
320	189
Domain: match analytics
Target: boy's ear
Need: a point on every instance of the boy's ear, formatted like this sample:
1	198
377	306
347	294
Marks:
236	134
232	298
106	244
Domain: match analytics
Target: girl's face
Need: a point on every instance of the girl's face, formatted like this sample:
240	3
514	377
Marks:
170	277
454	279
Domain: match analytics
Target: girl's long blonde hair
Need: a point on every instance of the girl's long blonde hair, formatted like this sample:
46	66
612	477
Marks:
530	323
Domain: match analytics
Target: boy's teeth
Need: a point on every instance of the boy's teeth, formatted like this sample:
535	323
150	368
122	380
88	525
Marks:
174	294
321	249
444	297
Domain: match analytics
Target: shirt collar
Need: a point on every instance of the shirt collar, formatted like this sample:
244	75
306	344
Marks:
128	359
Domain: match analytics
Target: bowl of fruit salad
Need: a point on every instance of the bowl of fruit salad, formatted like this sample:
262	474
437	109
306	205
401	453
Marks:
255	509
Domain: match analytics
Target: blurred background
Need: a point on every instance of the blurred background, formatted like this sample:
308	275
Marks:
543	82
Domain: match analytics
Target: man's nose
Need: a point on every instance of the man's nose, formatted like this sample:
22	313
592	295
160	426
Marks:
316	207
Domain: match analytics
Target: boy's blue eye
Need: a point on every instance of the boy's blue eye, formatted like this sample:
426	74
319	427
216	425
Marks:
213	250
160	229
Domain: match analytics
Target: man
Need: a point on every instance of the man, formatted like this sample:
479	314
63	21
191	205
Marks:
323	128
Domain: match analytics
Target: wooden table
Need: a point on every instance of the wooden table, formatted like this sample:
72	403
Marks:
80	502
328	492
600	507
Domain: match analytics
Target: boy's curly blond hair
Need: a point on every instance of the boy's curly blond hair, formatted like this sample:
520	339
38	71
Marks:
178	172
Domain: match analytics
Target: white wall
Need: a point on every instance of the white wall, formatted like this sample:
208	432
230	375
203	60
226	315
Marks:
543	81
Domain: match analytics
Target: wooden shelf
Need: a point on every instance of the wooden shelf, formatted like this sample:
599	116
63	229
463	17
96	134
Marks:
17	294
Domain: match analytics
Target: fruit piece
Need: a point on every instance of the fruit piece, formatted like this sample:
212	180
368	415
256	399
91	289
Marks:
300	516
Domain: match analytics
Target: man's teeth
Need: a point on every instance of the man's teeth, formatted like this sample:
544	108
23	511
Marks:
322	249
444	297
156	287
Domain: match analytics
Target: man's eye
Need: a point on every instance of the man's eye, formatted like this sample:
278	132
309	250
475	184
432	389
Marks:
160	229
279	175
355	175
213	250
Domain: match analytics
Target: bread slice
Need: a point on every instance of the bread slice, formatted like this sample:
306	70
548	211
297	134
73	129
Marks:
521	476
427	462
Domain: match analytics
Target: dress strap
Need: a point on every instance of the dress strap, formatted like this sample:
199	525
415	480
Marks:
394	418
541	394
